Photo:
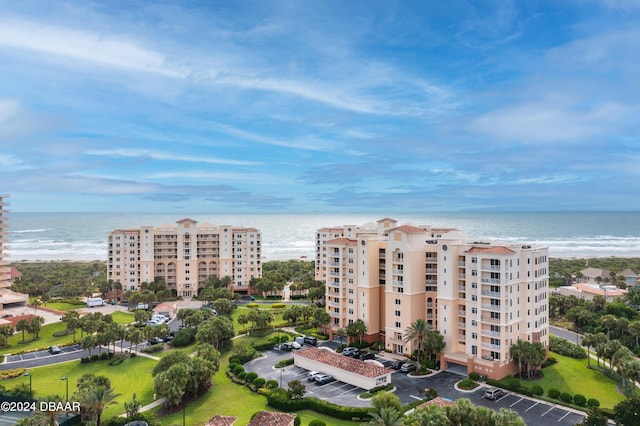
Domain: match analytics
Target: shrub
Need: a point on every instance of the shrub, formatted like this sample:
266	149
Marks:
184	337
278	306
550	361
9	374
553	393
284	362
251	377
238	369
85	360
537	390
242	376
153	348
244	353
579	400
116	360
430	393
297	421
258	382
234	360
467	384
95	357
474	375
317	422
271	384
566	348
592	402
252	305
566	397
277	398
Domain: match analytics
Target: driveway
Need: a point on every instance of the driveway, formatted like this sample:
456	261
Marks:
409	389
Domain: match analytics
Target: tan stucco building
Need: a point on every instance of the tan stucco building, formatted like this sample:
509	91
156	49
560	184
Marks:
184	254
482	296
7	297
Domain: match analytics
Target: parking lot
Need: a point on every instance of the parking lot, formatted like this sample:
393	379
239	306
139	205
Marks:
410	389
41	354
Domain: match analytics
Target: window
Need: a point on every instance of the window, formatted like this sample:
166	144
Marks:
398	324
398	301
397	313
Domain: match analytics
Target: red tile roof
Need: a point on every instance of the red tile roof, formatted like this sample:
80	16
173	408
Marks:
386	219
271	418
222	421
491	250
342	362
409	229
342	240
440	402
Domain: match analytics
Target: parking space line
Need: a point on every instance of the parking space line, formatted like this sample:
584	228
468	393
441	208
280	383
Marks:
516	402
532	406
548	411
341	386
566	414
416	397
350	390
505	395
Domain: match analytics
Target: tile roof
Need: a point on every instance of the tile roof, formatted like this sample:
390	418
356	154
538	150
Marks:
491	250
222	421
271	418
443	229
611	291
386	219
342	240
409	229
342	362
440	402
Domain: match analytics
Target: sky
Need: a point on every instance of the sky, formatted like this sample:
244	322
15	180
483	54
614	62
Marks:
320	106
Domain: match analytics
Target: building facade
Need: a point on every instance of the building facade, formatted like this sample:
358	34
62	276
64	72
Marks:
482	296
7	297
184	255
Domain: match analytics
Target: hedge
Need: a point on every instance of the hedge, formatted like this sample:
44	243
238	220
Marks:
553	393
592	402
537	390
278	399
580	400
566	348
566	397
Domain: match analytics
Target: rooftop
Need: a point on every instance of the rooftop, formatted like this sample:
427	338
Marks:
270	418
330	358
222	421
491	250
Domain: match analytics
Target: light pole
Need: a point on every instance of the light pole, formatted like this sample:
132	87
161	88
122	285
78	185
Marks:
66	379
26	373
281	371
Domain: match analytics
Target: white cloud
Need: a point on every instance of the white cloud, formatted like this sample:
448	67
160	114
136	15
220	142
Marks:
87	46
165	156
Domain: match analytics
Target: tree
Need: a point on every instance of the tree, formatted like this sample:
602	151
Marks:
89	342
72	320
35	325
517	351
588	340
627	412
171	384
434	344
428	416
242	320
95	399
386	417
341	332
356	329
321	318
296	389
386	400
23	326
222	306
132	407
135	337
608	321
595	417
417	333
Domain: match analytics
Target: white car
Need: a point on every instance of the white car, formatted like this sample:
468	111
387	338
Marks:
295	345
311	375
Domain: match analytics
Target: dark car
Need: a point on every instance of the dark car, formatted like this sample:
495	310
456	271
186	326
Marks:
366	355
167	338
155	341
396	365
53	350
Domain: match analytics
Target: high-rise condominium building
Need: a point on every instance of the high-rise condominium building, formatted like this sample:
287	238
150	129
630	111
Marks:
185	255
482	296
7	297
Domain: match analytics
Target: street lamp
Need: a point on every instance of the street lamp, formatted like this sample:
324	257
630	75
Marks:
26	373
66	379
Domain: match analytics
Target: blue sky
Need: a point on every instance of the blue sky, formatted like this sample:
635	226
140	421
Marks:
324	106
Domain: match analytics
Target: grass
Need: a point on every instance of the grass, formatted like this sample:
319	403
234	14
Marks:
572	376
120	317
277	321
62	306
229	399
132	376
46	339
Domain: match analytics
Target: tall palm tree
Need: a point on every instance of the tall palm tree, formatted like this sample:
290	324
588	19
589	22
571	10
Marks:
95	399
517	351
588	340
417	333
387	416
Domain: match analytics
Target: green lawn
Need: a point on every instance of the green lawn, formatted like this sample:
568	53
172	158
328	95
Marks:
229	399
120	317
61	306
572	376
132	376
46	339
277	321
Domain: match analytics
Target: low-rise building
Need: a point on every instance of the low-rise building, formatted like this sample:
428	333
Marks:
272	418
363	374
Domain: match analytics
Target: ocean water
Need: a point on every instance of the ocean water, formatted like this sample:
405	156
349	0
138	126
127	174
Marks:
83	236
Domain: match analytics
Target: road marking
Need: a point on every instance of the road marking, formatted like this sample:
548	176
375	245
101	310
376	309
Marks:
516	402
547	411
350	390
505	395
532	406
346	384
568	412
416	397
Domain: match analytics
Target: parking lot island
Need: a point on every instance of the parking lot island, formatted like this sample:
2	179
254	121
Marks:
363	374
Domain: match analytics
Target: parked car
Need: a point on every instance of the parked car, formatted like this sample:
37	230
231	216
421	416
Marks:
310	340
312	375
407	367
323	379
167	338
155	341
152	323
53	350
396	365
350	351
494	394
366	355
295	345
283	347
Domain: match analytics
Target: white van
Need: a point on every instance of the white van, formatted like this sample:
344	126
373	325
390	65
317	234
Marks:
95	301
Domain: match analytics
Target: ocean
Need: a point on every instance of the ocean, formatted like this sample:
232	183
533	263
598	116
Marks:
83	236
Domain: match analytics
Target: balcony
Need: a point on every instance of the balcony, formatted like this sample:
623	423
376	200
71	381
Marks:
495	294
462	325
462	337
491	320
495	348
398	271
462	276
462	288
496	308
398	283
462	264
490	280
462	313
431	282
431	270
490	333
490	267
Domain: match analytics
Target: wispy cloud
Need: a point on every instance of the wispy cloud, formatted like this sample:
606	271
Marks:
166	156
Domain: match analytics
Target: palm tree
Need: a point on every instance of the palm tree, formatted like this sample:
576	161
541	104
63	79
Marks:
341	332
517	351
608	321
22	325
95	399
387	416
135	337
588	340
417	333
